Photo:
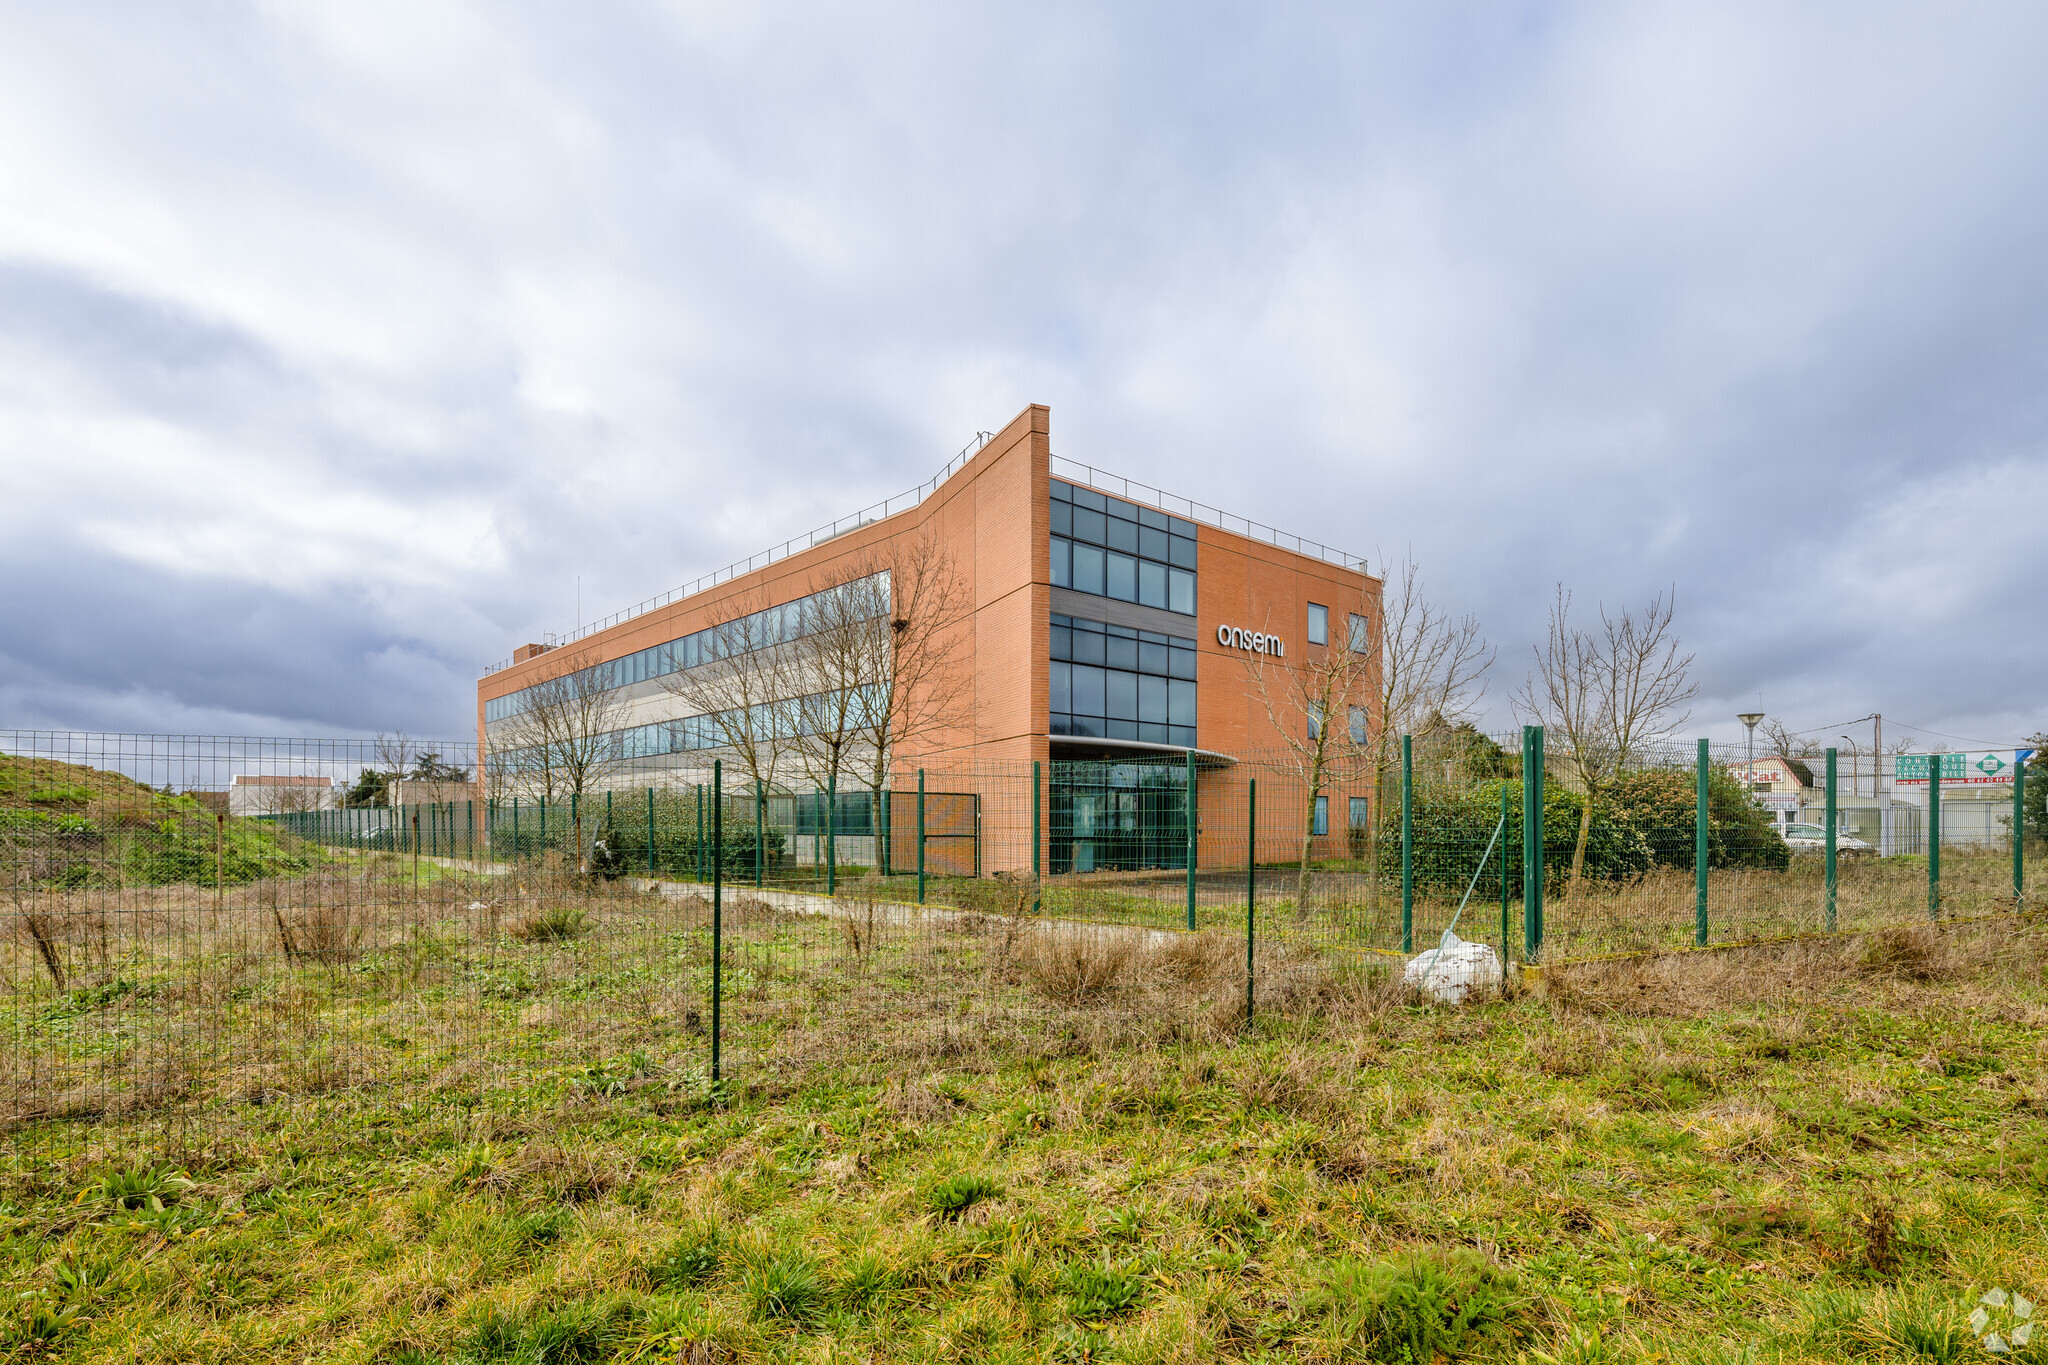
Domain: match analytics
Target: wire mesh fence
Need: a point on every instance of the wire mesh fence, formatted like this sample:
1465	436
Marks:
199	926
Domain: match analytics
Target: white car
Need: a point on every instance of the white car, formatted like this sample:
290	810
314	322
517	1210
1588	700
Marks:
1814	839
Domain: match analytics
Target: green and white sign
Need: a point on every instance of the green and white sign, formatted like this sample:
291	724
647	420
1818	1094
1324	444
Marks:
1979	768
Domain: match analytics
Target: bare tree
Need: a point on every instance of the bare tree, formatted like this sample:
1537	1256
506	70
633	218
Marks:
918	693
734	689
562	736
1786	744
834	671
289	797
1309	702
1610	692
1431	676
395	756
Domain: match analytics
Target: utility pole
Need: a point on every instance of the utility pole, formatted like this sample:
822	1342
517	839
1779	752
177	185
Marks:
1878	788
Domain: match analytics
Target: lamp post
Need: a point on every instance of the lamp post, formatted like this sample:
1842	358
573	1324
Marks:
1855	765
1750	719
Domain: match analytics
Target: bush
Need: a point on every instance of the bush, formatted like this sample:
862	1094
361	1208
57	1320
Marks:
179	845
1419	1307
1453	826
1661	803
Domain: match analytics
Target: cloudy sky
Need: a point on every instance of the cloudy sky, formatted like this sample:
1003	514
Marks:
337	341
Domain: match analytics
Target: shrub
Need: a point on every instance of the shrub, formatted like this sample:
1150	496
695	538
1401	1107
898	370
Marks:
183	843
1661	803
1077	963
1419	1307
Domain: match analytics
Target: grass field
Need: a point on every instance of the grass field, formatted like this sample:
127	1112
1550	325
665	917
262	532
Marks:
1816	1151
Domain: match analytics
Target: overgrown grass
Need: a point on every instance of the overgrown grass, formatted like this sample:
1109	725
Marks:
1810	1153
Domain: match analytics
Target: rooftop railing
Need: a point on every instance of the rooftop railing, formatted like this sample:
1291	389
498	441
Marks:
1070	470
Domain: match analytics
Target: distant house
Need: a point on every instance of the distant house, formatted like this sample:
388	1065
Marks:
280	794
410	791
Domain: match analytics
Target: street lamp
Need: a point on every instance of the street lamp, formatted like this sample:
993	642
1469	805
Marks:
1749	719
1855	767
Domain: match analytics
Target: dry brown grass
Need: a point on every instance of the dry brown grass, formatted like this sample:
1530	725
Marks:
1895	963
1076	964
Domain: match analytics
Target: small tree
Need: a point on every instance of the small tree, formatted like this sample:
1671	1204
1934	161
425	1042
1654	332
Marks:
563	733
1308	702
734	693
1610	692
394	757
918	692
835	671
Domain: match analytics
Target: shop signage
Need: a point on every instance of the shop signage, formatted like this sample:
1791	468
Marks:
1978	768
1256	642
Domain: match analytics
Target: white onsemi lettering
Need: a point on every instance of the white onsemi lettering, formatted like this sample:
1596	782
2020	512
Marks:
1223	636
1257	642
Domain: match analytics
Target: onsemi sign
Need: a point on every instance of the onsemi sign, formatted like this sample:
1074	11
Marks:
1981	768
1255	641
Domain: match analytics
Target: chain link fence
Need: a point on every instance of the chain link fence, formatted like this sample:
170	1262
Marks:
198	925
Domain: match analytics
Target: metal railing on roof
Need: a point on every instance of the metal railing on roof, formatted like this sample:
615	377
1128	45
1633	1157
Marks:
1073	471
853	521
1070	470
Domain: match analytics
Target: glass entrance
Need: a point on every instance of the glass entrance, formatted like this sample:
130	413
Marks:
1117	816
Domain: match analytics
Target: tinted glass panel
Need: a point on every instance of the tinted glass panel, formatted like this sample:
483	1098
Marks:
1089	690
1180	702
1117	507
1123	578
1152	733
1153	517
1361	638
1062	643
1090	526
1123	535
1183	528
1318	624
1152	700
1123	729
1181	592
1062	519
1088	727
1181	552
1183	735
1123	654
1062	687
1062	574
1152	583
1123	696
1061	492
1088	497
1088	647
1152	544
1184	664
1088	569
1154	659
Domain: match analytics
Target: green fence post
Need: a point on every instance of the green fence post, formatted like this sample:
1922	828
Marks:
1934	836
1191	836
1503	875
832	835
1532	842
717	928
1251	892
1528	834
469	821
920	836
1832	888
698	857
2019	835
1701	814
543	848
760	834
576	825
650	833
1407	843
515	827
1037	868
607	812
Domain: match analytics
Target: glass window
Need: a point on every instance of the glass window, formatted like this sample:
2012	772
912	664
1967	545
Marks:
1062	687
1123	729
1180	702
1152	584
1152	705
1361	635
1315	721
1318	624
1322	815
1088	727
1062	519
1358	726
1123	696
1153	544
1087	569
1123	577
1088	497
1183	663
1180	592
1183	735
1062	643
1182	528
1092	527
1062	575
1088	647
1358	812
1155	659
1123	653
1061	492
1090	691
1181	552
1152	733
1062	725
1119	508
1123	535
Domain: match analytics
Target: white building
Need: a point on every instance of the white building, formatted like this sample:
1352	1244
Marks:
281	794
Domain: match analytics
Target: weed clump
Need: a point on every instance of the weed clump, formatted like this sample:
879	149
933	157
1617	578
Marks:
1076	965
1095	1292
786	1288
692	1259
558	925
954	1196
1420	1307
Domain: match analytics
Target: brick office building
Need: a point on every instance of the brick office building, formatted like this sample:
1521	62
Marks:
1108	633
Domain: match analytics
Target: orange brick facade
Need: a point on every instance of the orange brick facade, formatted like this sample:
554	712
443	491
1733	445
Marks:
994	517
